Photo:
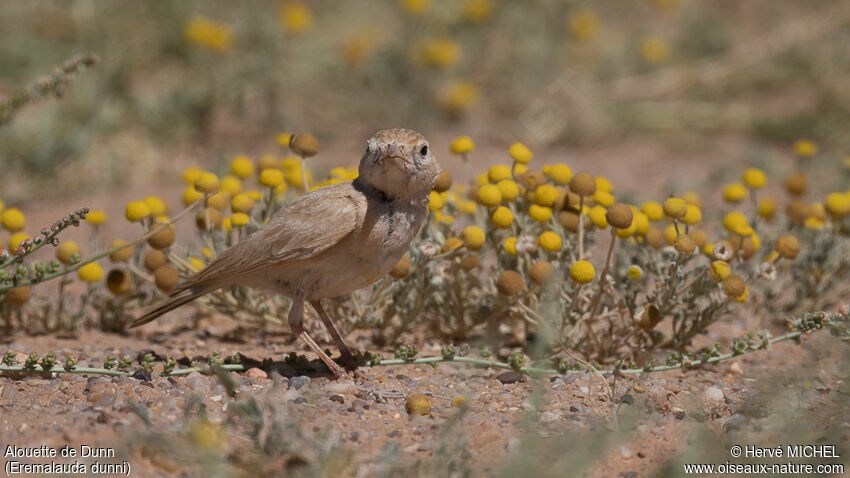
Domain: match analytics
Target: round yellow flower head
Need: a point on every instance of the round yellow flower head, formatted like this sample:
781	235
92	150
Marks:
641	223
435	201
191	173
502	217
719	270
742	229
805	148
466	206
473	237
231	185
754	178
462	145
796	183
655	49
734	192
241	202
837	204
243	167
443	218
787	246
634	272
240	219
489	195
510	245
254	194
296	17
207	183
545	195
693	216
734	286
520	169
675	207
451	244
583	24
767	208
603	197
65	250
583	184
597	216
156	205
540	272
540	213
97	216
653	210
628	231
283	138
13	219
743	297
734	219
509	189
520	153
560	173
497	172
582	271
136	211
669	233
271	177
197	263
550	241
91	272
692	198
120	255
603	184
190	195
218	201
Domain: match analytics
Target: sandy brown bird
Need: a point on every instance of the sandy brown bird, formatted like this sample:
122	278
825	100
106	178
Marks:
330	241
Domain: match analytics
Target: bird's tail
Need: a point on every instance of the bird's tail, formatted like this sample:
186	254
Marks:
174	301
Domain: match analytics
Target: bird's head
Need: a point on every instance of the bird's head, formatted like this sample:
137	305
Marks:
399	163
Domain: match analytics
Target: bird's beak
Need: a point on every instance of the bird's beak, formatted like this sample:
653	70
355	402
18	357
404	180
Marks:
393	151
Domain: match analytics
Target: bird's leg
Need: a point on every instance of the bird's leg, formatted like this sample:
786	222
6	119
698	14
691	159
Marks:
296	314
345	354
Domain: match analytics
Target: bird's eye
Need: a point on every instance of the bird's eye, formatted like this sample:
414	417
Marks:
424	150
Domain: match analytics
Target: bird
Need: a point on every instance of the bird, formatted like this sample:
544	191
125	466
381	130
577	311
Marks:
329	241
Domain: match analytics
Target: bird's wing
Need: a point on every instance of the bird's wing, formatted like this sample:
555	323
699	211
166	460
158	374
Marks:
301	229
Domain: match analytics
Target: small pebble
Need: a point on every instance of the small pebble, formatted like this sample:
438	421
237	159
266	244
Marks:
255	372
511	377
337	398
713	395
298	382
735	368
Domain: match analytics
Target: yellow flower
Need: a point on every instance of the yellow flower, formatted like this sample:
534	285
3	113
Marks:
653	210
91	272
629	231
190	195
156	205
473	237
230	185
435	201
208	33
719	270
743	297
693	216
444	218
550	241
498	172
669	233
582	271
767	207
634	272
655	49
292	166
559	172
742	229
597	216
837	204
675	207
457	95
805	148
692	198
583	24
734	192
282	139
15	240
733	220
359	46
545	195
65	250
520	153
604	184
440	52
191	173
13	219
466	206
462	145
540	213
477	10
197	263
97	216
240	219
754	178
489	195
415	6
136	211
502	217
241	202
510	244
296	17
603	197
254	194
206	183
641	222
346	174
242	167
271	177
509	189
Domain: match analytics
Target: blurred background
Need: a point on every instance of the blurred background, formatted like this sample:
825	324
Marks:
667	83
